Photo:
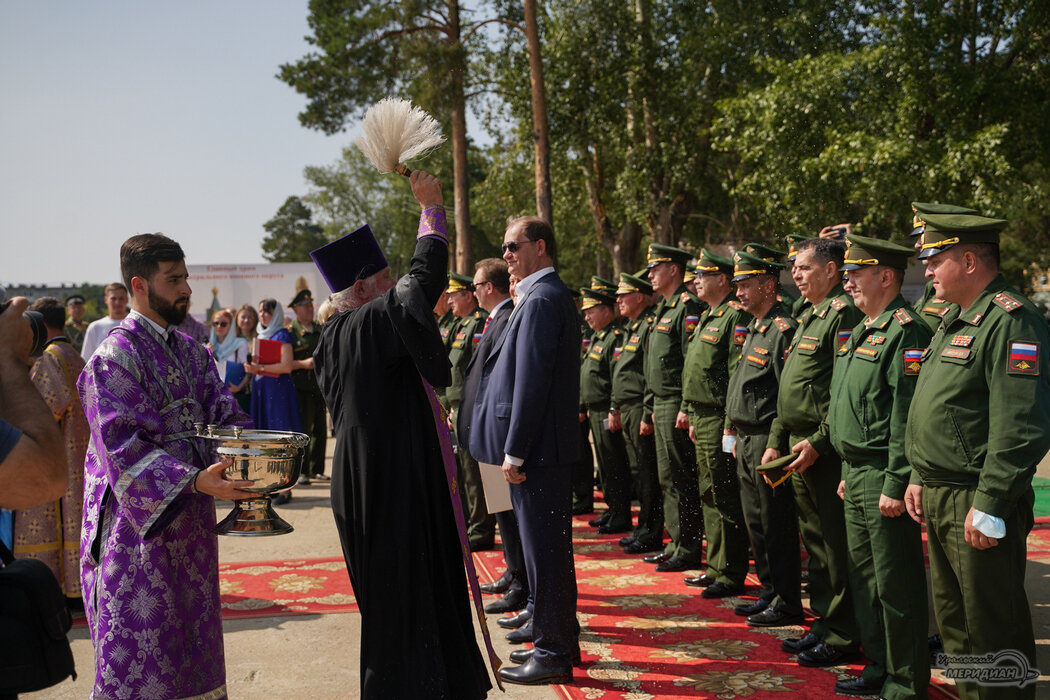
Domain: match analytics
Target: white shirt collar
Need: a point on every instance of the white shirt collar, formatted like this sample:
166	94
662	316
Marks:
164	332
497	306
526	284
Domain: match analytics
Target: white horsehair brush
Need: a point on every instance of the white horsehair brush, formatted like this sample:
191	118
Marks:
394	131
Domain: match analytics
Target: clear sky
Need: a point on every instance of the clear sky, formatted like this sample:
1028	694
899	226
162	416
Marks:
119	118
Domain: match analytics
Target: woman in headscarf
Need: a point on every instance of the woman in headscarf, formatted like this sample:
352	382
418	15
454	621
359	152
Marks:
274	404
230	352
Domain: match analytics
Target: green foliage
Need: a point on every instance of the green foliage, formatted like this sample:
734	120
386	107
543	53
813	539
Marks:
291	234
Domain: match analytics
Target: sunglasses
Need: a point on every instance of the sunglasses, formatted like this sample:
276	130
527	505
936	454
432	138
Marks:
220	324
514	246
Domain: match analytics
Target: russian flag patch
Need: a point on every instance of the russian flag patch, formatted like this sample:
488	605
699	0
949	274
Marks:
739	334
912	360
1023	357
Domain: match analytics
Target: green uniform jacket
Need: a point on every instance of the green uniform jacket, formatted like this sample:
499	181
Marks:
445	325
871	390
751	401
75	333
931	308
805	389
785	297
465	337
981	412
628	380
597	368
800	308
668	343
714	351
303	344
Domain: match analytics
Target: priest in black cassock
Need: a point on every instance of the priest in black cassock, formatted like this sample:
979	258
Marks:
376	363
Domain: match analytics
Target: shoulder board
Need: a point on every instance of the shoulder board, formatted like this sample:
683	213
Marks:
838	304
736	305
1006	302
684	296
902	316
782	323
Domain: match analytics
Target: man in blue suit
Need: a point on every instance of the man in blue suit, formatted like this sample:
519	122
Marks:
525	418
492	288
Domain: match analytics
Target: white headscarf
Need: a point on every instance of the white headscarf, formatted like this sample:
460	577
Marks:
276	323
228	348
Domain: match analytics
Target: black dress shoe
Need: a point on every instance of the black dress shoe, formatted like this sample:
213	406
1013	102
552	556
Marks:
582	508
675	564
858	686
747	609
521	635
824	655
701	581
520	656
721	590
638	547
532	672
774	617
659	558
500	585
514	600
514	621
608	529
600	520
625	541
795	645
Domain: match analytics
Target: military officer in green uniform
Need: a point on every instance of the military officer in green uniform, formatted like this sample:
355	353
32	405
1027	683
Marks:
784	295
305	336
751	406
465	335
690	277
583	470
978	425
630	405
801	304
677	316
445	321
928	305
595	400
713	354
76	326
871	390
802	406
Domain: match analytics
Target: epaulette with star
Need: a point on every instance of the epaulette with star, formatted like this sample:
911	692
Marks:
1006	302
736	305
902	316
782	323
838	304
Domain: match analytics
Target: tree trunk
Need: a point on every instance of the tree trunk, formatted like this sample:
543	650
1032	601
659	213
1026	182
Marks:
544	208
464	253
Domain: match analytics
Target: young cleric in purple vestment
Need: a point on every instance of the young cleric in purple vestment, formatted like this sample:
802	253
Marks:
148	556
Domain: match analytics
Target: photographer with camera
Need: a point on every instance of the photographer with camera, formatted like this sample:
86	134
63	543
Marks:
32	462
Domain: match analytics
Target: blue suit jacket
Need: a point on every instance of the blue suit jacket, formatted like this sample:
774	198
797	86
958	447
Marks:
497	323
528	398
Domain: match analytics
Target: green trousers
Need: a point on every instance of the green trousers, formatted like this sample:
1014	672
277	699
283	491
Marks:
641	456
888	582
727	542
611	453
978	595
676	465
583	472
481	525
822	524
773	526
315	424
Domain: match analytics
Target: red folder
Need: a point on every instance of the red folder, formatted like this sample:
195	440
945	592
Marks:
266	352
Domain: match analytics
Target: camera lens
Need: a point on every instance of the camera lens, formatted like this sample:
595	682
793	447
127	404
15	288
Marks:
36	324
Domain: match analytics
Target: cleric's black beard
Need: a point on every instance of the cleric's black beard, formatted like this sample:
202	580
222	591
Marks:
168	311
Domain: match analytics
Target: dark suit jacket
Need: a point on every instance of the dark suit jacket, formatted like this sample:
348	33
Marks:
528	398
497	322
